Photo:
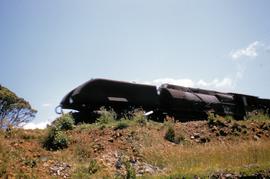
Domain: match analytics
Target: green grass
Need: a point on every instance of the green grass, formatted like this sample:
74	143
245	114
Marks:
258	117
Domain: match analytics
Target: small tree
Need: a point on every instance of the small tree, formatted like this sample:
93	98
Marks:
14	110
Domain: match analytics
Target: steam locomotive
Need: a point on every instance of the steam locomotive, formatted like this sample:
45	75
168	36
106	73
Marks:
183	103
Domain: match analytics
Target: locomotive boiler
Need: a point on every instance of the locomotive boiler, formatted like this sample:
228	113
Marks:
183	103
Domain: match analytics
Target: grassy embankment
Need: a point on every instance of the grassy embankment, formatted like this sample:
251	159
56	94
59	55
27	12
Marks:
91	150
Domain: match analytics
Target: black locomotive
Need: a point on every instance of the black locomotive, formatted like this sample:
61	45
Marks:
180	102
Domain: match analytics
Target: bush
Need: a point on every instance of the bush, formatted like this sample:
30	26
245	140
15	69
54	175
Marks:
55	140
170	134
106	116
121	125
64	122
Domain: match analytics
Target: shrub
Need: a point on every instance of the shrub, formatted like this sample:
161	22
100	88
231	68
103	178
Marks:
121	125
55	140
170	134
93	167
139	117
106	116
215	120
64	122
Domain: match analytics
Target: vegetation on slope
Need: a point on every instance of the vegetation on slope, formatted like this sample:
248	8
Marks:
135	147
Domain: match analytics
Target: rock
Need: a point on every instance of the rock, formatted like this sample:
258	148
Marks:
197	140
45	164
236	127
196	135
133	160
259	134
118	164
244	131
228	175
118	134
255	137
43	158
60	169
115	154
204	140
98	147
214	128
223	133
110	139
149	169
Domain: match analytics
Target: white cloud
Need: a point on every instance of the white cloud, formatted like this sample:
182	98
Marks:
216	84
46	105
223	84
181	82
41	125
250	51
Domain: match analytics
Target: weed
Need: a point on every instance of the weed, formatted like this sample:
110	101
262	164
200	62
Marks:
169	120
170	134
130	171
22	175
55	139
93	167
28	137
30	162
4	159
139	117
85	171
3	168
81	172
215	120
106	116
83	152
179	139
258	116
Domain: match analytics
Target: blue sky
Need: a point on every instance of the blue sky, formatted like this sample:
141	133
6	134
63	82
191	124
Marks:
49	47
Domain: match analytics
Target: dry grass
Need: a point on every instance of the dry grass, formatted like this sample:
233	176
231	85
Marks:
206	159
